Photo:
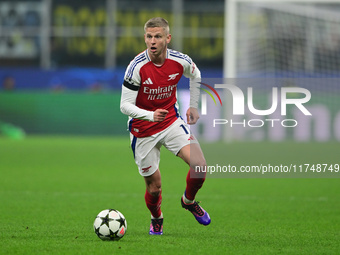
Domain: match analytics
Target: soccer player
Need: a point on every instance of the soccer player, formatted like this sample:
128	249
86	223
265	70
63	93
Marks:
149	99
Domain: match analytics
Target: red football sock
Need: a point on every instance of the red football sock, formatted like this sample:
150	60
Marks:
194	183
153	203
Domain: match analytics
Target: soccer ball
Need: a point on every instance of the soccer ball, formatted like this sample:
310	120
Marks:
110	225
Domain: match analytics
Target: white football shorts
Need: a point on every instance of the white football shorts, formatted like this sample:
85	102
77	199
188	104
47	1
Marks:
146	150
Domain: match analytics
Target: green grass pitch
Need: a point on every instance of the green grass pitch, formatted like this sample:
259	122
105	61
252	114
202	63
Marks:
53	187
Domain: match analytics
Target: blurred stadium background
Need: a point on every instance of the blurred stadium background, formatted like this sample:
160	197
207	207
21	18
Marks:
61	68
62	62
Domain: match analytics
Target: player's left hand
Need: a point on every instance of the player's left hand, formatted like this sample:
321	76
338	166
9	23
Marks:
192	116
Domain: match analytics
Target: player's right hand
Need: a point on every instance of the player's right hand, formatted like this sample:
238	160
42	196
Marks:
159	115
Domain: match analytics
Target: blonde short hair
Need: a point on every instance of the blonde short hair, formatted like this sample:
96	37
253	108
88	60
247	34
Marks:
157	22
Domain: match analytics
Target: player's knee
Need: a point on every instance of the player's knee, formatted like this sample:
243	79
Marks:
198	163
203	162
155	193
155	190
196	169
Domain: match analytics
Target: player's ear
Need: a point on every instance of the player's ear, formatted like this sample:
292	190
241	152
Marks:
168	38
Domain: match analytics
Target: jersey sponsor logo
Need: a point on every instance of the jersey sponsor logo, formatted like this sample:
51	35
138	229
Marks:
148	81
159	92
172	76
159	89
146	169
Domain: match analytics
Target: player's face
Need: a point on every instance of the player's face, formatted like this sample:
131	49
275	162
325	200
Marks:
156	40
